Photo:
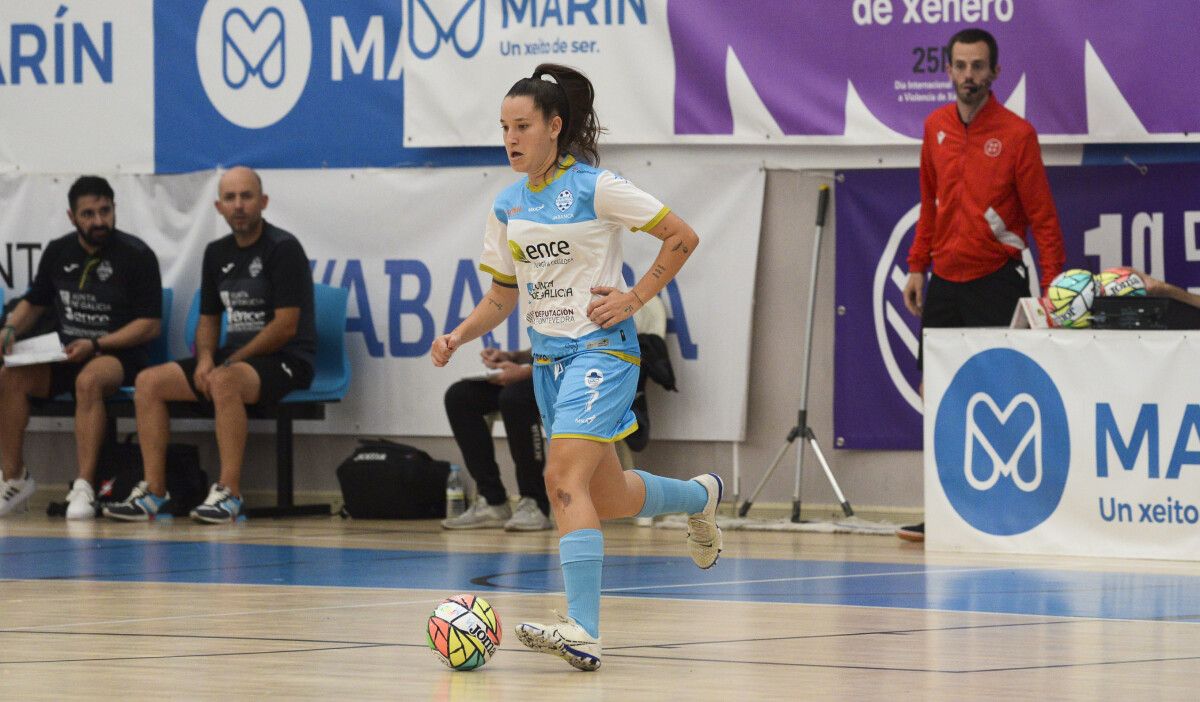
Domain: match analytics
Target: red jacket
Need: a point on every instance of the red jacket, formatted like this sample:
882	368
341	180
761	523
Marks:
982	186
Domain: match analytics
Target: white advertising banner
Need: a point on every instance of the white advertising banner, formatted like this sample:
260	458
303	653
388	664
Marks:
77	86
457	67
406	245
1071	442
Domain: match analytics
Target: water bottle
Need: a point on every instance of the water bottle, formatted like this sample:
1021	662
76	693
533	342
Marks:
456	501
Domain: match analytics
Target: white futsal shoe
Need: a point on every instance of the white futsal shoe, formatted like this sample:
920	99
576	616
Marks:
565	639
704	536
81	500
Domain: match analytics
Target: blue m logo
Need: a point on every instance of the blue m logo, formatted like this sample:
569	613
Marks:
457	32
253	47
1002	443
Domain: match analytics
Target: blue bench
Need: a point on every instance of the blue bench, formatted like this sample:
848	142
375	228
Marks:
331	380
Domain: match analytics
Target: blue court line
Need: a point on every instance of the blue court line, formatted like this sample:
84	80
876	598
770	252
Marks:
1033	591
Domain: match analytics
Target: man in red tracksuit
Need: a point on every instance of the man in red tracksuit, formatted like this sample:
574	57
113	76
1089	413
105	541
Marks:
982	185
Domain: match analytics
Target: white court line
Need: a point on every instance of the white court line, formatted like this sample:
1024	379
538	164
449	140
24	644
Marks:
202	615
800	578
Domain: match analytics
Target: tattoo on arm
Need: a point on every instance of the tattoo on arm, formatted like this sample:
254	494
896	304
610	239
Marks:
497	305
628	308
658	271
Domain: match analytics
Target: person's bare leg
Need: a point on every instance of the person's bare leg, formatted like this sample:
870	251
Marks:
154	388
569	470
99	378
17	384
615	492
232	388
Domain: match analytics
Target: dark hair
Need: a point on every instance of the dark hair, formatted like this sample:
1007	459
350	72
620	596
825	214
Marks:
569	95
88	185
974	36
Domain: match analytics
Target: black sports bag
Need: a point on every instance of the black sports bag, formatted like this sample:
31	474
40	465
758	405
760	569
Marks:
386	480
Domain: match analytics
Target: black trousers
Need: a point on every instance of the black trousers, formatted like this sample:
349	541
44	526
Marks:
467	401
984	302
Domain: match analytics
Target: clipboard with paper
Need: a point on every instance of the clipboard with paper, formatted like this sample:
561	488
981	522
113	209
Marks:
46	348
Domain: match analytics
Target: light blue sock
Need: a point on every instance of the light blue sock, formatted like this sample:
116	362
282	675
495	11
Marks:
668	495
581	553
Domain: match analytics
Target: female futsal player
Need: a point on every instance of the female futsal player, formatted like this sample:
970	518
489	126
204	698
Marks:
554	238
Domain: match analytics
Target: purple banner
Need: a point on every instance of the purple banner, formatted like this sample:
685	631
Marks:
1105	69
1110	216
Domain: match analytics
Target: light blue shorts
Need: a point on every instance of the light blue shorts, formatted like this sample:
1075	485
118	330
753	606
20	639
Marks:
585	386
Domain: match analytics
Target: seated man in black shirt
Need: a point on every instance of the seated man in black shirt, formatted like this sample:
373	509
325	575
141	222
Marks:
258	276
106	290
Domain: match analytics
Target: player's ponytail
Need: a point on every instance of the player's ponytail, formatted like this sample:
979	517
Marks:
563	91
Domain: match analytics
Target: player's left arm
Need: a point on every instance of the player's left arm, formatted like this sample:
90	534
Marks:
137	332
272	337
1033	189
679	240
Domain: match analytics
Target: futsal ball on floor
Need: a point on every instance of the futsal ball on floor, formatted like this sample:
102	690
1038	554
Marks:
1119	282
1070	295
464	632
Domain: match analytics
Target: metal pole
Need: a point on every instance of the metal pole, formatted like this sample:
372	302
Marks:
802	430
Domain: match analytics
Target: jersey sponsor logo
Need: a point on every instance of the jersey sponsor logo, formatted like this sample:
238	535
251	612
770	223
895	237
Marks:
91	319
545	290
593	378
941	137
256	267
245	320
597	344
286	369
539	208
564	200
104	271
70	267
370	456
993	147
514	210
253	58
586	420
554	316
1002	443
227	267
543	254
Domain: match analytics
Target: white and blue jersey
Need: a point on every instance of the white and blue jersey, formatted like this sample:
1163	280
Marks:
555	242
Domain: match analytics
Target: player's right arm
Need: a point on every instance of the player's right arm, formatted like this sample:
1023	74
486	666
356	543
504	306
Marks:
1161	288
30	308
919	253
497	304
19	321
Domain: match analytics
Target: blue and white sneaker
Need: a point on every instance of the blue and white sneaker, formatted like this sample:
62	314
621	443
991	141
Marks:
704	536
141	505
565	639
220	507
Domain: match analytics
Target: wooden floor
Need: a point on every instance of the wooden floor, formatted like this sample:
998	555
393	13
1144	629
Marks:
332	609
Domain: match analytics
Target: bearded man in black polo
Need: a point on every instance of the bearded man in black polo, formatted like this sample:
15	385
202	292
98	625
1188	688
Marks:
105	289
258	276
